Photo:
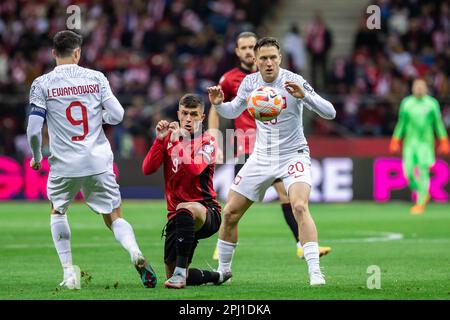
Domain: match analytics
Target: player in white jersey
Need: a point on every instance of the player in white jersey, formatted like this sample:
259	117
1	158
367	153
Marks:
75	102
281	152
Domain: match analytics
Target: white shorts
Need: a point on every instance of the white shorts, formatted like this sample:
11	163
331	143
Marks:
100	191
259	173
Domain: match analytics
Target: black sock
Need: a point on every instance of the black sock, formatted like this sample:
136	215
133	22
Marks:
198	277
290	219
185	231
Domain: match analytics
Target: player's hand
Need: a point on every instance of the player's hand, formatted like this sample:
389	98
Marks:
35	165
294	89
444	147
177	132
215	94
162	129
394	146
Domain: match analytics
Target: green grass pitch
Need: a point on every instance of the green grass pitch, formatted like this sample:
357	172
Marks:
412	253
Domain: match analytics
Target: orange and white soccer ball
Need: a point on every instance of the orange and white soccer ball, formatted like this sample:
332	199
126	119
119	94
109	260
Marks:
265	103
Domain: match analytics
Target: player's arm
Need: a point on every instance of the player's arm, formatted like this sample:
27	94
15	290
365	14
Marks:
313	101
399	129
213	116
36	118
34	134
228	110
213	129
113	111
441	132
214	120
155	155
201	158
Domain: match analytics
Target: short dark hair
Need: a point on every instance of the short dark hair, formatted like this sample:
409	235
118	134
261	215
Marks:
266	42
190	100
64	42
245	34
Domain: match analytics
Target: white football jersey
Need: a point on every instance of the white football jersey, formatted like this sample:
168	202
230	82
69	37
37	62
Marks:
284	134
73	98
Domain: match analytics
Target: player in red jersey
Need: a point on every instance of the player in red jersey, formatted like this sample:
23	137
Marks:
188	155
245	127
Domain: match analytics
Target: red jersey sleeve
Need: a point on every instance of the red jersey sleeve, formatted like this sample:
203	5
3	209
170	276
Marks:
202	156
155	156
226	88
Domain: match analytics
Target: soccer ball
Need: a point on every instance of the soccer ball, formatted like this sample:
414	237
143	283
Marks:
265	103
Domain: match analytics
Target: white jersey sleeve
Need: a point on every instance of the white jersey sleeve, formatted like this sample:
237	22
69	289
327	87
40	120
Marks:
106	92
314	102
38	94
234	108
34	136
113	113
36	119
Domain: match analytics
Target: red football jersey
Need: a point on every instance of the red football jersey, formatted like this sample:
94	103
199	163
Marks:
188	169
230	83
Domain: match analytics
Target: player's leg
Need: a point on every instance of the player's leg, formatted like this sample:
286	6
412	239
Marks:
290	219
235	208
60	192
189	217
178	254
423	187
249	185
169	266
103	196
409	161
240	161
299	197
197	277
287	209
425	158
288	214
170	256
210	227
124	234
194	276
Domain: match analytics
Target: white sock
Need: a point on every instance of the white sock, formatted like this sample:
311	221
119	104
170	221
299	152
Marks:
61	238
299	244
226	252
181	271
125	235
311	254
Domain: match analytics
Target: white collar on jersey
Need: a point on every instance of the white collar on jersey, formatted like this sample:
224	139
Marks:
66	65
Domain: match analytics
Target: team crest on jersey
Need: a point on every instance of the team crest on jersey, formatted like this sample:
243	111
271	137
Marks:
169	145
32	90
237	179
308	87
208	148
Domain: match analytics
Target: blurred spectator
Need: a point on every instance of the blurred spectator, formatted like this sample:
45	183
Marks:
152	52
371	120
350	111
366	38
414	42
294	48
319	42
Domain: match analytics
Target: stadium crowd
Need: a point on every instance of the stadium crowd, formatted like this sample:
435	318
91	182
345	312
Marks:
153	52
414	41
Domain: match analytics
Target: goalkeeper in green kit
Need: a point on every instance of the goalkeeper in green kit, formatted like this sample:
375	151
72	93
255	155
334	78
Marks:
419	116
